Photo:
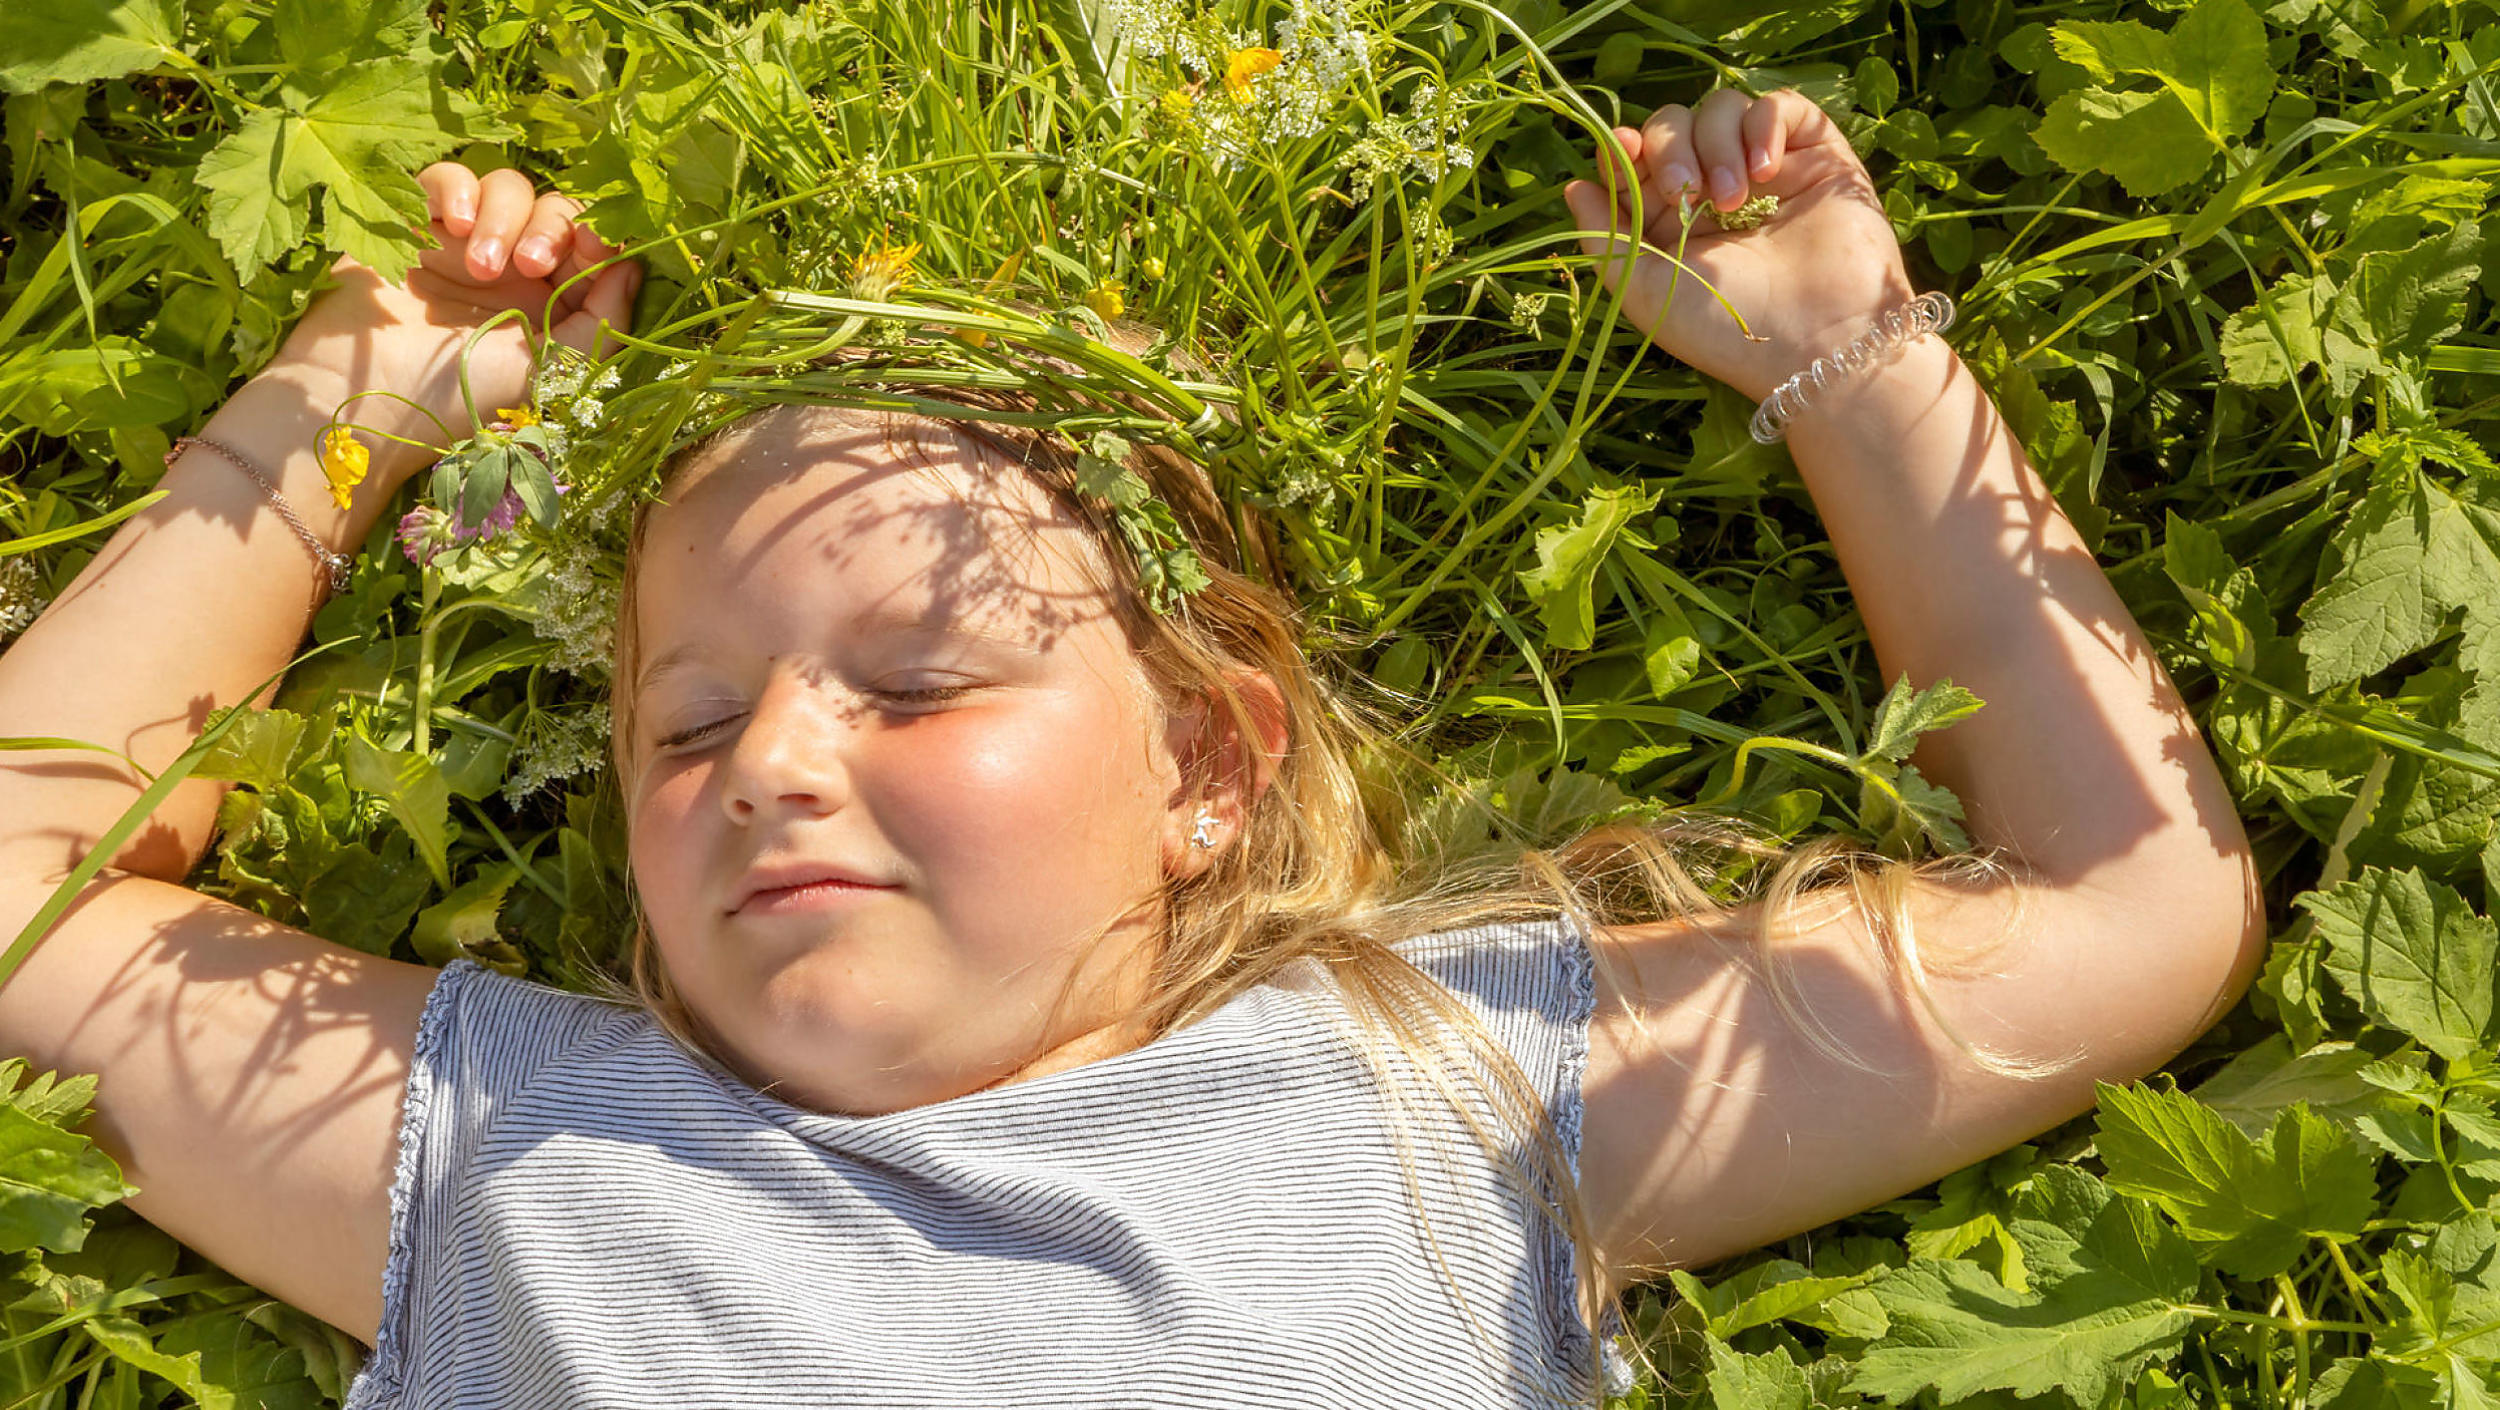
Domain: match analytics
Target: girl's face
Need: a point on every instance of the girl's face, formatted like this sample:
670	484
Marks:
905	681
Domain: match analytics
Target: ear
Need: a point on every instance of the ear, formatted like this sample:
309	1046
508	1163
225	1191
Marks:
1224	768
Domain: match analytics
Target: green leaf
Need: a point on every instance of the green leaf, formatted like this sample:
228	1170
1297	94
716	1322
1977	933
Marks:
80	41
364	899
2233	620
2414	550
1904	715
1760	1295
1959	1332
2254	355
2355	1383
464	921
2447	1326
416	791
2254	1206
357	139
318	35
225	1363
254	208
1563	584
2265	1079
259	750
1670	649
2213	62
2218	65
49	1180
2109	50
2149	141
2412	953
2400	302
1770	1381
490	474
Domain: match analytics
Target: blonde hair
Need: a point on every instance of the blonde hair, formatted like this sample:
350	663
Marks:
1319	872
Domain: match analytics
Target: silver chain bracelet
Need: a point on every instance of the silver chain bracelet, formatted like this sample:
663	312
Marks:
1928	313
335	564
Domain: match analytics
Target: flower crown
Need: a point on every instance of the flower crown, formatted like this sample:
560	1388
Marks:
614	430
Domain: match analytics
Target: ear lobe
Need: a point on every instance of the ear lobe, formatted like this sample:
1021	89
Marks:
1233	768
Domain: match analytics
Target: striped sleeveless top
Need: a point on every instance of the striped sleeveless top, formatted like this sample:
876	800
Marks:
587	1216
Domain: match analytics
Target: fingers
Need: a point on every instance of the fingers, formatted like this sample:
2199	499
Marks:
582	249
547	237
450	195
1719	145
1668	139
1597	216
1778	122
610	301
1730	143
506	200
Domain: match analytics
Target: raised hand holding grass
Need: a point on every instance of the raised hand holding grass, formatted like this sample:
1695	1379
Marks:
500	245
1808	279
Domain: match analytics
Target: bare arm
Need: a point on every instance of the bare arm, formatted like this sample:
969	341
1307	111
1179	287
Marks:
206	593
193	602
1717	1126
251	1073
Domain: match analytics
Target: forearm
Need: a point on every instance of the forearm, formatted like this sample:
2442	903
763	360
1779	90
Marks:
1962	565
187	607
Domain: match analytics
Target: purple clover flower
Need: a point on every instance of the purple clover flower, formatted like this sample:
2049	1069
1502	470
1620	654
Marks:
426	531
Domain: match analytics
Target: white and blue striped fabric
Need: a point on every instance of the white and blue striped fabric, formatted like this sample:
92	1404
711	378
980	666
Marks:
587	1216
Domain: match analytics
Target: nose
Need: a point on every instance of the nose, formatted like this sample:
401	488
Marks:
790	753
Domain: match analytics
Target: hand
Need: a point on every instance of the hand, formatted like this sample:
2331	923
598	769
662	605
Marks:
1814	276
500	246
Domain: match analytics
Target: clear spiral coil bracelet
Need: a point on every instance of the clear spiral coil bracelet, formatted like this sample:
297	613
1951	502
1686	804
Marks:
1928	313
335	564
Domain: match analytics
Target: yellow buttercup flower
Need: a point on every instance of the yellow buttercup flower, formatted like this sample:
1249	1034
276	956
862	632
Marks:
1242	67
344	461
1104	299
516	417
882	269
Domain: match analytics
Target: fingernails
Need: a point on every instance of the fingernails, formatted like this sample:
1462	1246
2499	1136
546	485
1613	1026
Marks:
1761	163
1679	176
536	251
487	254
1725	185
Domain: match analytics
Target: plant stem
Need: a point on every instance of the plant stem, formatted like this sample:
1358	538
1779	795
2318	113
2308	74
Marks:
421	728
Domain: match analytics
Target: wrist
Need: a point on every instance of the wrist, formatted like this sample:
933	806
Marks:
1887	398
322	391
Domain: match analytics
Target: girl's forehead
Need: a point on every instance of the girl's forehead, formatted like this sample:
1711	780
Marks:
912	520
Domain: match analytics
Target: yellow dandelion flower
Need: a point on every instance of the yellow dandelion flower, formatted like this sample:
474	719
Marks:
344	461
1242	68
1104	299
881	269
516	417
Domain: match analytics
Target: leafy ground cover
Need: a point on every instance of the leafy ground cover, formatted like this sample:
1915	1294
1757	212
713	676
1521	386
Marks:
2229	270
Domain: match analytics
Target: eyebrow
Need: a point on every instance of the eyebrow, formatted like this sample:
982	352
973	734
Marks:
685	654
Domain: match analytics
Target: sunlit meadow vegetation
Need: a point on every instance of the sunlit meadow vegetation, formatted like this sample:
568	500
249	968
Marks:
2228	269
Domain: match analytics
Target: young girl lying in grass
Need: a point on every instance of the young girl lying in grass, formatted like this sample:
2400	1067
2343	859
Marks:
1032	1015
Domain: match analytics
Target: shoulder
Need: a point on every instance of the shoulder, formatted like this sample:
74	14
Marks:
492	1032
1539	965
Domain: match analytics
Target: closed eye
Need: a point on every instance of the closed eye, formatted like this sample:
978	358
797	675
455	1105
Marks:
689	736
926	695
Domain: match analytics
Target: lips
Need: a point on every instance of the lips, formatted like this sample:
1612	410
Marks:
765	880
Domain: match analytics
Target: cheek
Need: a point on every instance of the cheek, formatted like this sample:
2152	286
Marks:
660	838
1070	783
